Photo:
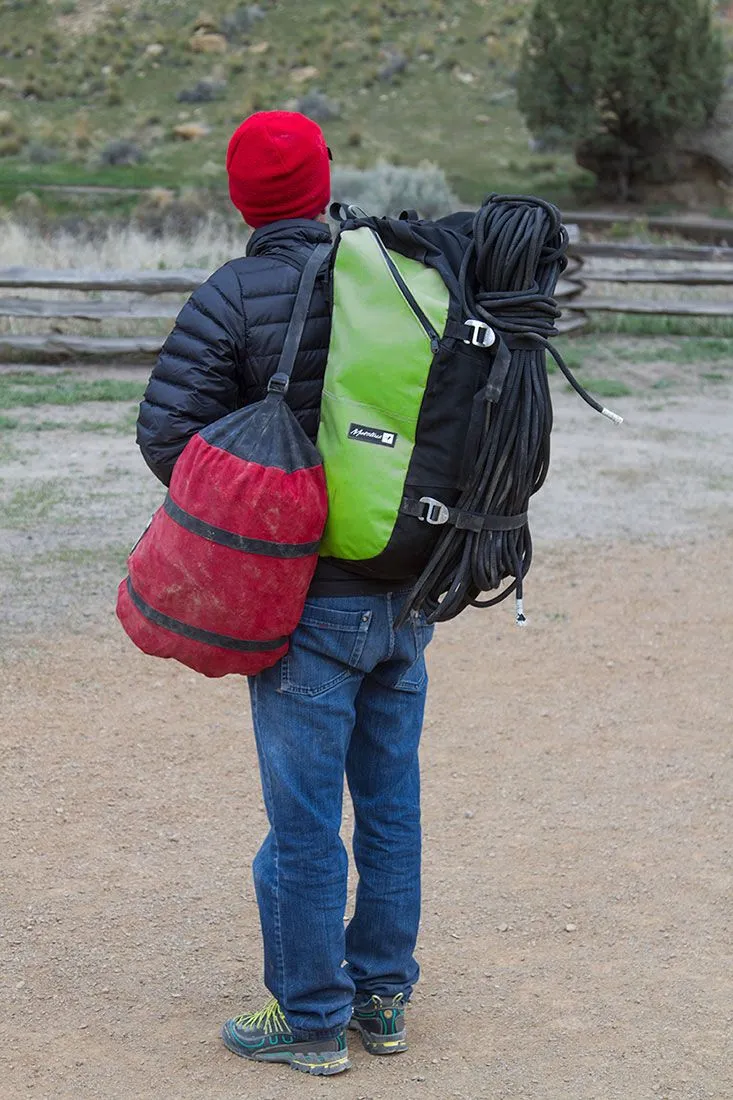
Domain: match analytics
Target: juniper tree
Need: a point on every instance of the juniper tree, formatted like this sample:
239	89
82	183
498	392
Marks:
620	79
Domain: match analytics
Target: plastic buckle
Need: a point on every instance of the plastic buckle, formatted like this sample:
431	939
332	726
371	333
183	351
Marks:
487	336
437	513
279	383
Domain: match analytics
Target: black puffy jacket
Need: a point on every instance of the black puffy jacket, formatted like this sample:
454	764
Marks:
227	343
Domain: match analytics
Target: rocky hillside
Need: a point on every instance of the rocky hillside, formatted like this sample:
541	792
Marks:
148	91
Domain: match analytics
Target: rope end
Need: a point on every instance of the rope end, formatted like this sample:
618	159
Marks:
521	617
614	417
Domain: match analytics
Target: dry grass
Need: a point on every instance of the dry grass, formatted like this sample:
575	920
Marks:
127	249
120	249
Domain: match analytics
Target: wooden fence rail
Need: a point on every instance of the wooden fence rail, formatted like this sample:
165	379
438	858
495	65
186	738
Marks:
702	267
688	277
702	229
717	273
139	282
594	249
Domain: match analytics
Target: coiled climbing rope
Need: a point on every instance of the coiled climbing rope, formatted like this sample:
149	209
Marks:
507	279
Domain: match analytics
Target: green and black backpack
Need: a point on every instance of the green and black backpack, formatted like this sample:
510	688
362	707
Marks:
436	413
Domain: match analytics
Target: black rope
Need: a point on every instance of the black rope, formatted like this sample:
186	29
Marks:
508	279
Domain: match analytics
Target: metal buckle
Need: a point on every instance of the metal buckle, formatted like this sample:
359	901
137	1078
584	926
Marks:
279	383
487	338
437	513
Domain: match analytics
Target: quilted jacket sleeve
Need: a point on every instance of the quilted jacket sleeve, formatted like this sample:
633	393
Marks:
197	377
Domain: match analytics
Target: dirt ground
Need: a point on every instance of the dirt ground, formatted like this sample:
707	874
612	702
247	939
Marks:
577	937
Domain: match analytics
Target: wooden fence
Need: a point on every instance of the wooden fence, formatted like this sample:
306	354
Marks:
613	268
591	265
718	231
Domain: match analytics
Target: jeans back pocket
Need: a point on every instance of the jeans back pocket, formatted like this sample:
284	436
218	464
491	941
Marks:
324	650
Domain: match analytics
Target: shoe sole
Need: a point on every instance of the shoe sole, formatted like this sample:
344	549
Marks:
380	1044
318	1065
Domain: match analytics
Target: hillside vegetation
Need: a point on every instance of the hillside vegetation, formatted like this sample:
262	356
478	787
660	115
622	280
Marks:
147	92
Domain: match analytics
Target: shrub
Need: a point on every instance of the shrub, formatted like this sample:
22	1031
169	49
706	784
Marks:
388	189
34	87
27	205
39	153
240	22
81	131
163	214
256	101
121	151
8	127
10	146
114	94
206	91
425	44
394	64
621	81
319	107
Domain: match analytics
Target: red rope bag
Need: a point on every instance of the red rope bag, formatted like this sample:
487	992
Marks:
219	578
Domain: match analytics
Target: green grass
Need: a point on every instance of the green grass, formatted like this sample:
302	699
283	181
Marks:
8	452
80	557
18	175
577	349
604	362
631	324
688	350
8	424
107	556
84	426
605	387
721	484
32	503
23	389
96	425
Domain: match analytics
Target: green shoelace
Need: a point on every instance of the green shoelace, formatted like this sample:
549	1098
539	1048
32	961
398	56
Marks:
270	1019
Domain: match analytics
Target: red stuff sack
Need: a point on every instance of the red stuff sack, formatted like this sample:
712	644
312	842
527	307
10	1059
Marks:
219	578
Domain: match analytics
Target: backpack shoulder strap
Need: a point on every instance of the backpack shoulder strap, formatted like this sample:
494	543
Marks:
280	380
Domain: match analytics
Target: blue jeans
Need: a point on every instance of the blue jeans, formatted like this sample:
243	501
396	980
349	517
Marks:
348	699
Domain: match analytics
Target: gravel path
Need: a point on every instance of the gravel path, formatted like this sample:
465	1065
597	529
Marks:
578	780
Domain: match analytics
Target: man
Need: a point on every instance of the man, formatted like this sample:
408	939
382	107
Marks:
349	697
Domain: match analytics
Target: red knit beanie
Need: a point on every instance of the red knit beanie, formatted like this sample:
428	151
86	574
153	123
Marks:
278	168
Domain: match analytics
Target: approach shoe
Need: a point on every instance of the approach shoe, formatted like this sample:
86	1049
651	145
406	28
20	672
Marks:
381	1023
265	1036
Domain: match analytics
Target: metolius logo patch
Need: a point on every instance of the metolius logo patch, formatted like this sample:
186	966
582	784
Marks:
372	435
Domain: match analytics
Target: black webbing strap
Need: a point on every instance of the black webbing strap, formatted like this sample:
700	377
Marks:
223	537
195	633
438	514
515	341
407	294
499	345
281	378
